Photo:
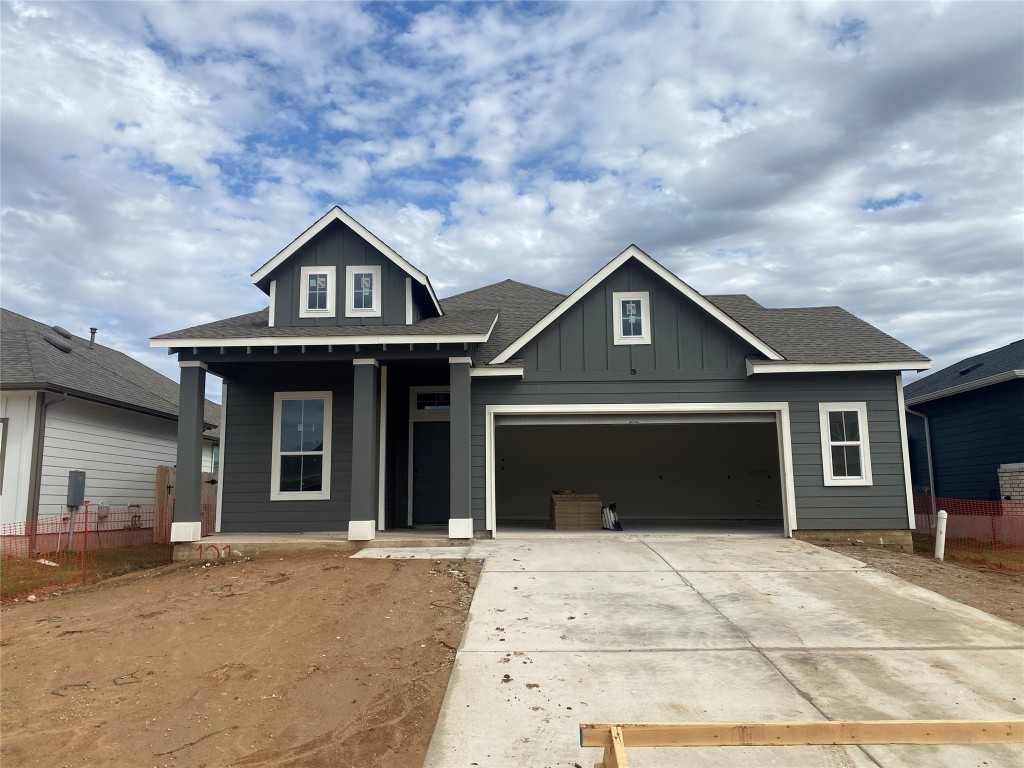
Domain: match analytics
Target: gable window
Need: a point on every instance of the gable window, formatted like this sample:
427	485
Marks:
631	315
362	291
845	450
316	292
301	461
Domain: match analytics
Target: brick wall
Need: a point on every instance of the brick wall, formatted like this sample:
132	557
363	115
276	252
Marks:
1011	482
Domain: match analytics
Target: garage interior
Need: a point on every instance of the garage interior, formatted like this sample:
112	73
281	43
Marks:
663	472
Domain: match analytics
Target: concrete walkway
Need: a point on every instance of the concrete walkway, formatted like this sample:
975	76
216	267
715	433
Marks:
677	628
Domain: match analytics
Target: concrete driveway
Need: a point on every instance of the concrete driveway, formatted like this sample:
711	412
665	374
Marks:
677	628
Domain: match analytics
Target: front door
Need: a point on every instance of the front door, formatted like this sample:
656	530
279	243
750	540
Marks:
431	490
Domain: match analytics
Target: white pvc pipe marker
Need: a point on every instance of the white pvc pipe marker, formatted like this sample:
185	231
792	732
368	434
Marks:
940	535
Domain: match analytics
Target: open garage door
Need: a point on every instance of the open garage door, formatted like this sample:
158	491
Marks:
671	471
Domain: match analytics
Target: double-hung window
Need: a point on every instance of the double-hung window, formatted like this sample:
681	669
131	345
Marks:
362	291
845	450
316	295
631	316
301	460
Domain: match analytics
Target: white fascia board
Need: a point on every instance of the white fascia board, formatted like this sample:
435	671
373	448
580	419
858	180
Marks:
987	382
321	341
754	367
479	372
632	252
337	214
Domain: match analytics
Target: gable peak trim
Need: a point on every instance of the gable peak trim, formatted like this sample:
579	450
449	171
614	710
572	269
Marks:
634	252
337	213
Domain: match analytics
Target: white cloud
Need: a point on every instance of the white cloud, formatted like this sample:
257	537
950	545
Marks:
155	154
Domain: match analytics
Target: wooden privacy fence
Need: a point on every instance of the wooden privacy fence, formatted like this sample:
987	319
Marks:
615	737
166	480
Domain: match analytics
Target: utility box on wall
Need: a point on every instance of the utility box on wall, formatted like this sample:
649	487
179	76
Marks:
76	488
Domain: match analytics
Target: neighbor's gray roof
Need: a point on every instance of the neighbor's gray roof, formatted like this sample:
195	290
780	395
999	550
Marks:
102	374
816	334
255	326
991	364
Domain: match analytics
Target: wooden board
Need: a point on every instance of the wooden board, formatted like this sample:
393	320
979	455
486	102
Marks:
810	733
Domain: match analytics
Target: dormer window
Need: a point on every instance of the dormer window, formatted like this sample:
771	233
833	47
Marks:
362	291
631	314
317	292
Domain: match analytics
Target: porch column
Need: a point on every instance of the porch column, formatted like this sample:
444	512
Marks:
460	522
187	524
362	522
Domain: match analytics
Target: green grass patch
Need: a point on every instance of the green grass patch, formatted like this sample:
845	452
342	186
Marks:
20	576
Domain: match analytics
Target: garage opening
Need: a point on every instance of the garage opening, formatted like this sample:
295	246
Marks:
663	471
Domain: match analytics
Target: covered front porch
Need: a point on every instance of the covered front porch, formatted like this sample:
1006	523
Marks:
338	443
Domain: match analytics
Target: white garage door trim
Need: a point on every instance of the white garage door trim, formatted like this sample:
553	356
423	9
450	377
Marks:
780	411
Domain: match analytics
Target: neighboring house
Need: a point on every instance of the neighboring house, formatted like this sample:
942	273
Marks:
967	421
359	401
68	403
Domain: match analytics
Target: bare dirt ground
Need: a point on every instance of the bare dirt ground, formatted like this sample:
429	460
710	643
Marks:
998	593
311	660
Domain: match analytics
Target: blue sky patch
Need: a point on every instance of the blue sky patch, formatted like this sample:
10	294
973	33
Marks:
896	201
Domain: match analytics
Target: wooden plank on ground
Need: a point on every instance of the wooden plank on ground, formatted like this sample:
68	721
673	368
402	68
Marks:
810	733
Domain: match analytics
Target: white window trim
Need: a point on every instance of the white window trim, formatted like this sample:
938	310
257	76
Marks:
826	444
304	310
350	309
644	297
275	465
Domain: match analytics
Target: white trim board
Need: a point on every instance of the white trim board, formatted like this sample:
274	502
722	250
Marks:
223	445
779	409
906	451
337	214
764	366
959	388
633	252
323	341
479	372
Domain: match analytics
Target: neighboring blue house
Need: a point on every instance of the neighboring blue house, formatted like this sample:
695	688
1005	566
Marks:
969	418
359	401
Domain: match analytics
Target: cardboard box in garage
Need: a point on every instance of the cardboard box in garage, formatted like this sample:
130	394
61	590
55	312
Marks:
575	511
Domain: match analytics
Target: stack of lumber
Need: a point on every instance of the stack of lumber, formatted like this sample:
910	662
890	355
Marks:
575	511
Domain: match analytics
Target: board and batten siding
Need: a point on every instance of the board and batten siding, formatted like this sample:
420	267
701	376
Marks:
972	434
119	450
882	505
339	247
684	337
247	456
19	409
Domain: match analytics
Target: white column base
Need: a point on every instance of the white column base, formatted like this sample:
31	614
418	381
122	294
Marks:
184	532
361	530
460	528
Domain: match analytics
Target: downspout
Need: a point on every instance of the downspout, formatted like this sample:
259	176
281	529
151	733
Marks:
36	471
928	453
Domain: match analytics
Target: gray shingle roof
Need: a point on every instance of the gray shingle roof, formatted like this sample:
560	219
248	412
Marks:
816	334
520	307
27	361
975	369
470	321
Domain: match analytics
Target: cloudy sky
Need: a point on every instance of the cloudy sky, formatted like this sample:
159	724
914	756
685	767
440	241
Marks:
867	155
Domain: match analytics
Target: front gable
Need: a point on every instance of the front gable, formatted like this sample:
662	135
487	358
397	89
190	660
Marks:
666	331
338	273
682	330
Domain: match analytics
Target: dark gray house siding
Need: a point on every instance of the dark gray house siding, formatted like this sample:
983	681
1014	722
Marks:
246	503
882	505
972	434
684	337
339	247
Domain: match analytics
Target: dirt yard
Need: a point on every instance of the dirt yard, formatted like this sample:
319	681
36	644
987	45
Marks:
304	661
997	593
